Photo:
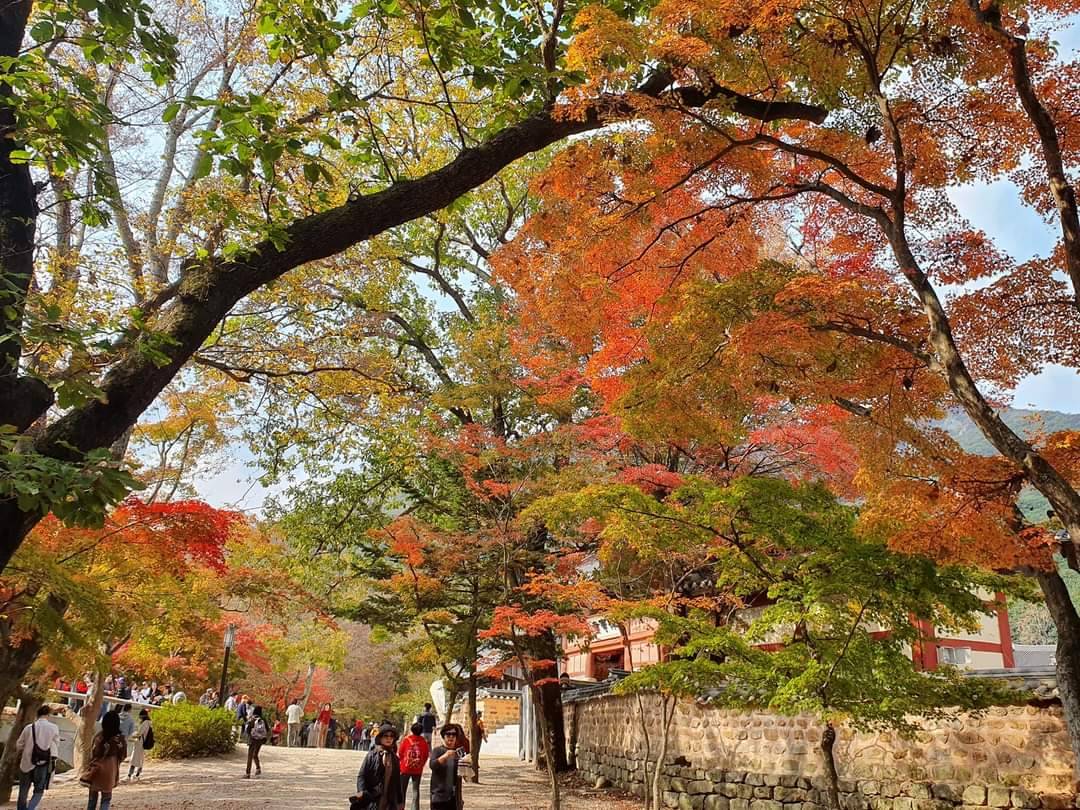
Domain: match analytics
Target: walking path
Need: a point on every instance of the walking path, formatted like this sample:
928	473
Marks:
307	779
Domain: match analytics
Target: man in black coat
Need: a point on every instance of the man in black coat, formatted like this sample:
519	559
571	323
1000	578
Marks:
378	785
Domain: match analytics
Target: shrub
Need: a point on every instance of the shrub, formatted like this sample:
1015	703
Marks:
187	730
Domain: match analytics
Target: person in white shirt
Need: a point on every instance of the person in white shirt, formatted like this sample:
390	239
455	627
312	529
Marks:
294	716
36	745
232	702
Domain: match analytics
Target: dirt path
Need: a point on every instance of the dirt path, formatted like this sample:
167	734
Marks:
306	779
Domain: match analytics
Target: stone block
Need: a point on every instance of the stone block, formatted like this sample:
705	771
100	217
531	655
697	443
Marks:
671	798
789	794
735	777
933	804
870	788
678	784
688	802
1024	798
903	803
763	792
890	790
701	786
947	791
716	803
974	795
1056	801
765	804
755	779
772	780
998	796
744	791
738	804
916	790
789	781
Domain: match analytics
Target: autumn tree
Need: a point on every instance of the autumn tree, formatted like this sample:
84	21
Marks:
683	208
278	152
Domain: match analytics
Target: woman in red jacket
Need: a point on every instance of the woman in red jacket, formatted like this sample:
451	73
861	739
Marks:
413	755
322	724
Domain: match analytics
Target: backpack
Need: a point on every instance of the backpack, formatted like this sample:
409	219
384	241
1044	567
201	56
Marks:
414	760
258	729
148	740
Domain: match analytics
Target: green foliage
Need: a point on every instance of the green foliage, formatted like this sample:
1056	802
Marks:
186	730
820	619
77	493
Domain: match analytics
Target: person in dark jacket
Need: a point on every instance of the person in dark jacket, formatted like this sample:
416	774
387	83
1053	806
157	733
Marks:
379	785
446	766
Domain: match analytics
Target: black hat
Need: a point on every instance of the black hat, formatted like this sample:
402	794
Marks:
387	728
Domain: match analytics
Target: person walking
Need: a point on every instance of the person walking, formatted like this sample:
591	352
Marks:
413	756
379	785
102	773
257	734
446	763
143	741
428	719
294	716
322	725
356	734
331	733
35	747
243	713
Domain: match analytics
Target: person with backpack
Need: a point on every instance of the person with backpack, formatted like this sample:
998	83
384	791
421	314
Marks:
413	755
428	719
257	733
102	773
379	785
144	741
35	746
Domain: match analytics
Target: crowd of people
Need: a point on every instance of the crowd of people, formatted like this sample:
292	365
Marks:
119	687
392	770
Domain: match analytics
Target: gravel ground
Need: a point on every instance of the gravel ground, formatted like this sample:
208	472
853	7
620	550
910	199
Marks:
309	779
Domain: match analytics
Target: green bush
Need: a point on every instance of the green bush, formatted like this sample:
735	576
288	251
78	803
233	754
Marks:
187	730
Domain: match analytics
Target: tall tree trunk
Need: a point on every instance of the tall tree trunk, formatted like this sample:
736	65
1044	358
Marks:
86	724
309	683
9	763
474	724
668	704
546	676
1067	622
828	741
547	745
647	737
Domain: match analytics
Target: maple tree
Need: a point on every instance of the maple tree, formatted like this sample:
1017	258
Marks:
698	259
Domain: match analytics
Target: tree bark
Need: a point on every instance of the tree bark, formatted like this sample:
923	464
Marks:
549	699
474	724
668	704
209	289
1067	622
86	724
828	742
547	745
9	763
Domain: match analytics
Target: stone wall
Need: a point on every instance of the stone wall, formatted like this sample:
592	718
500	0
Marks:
720	759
